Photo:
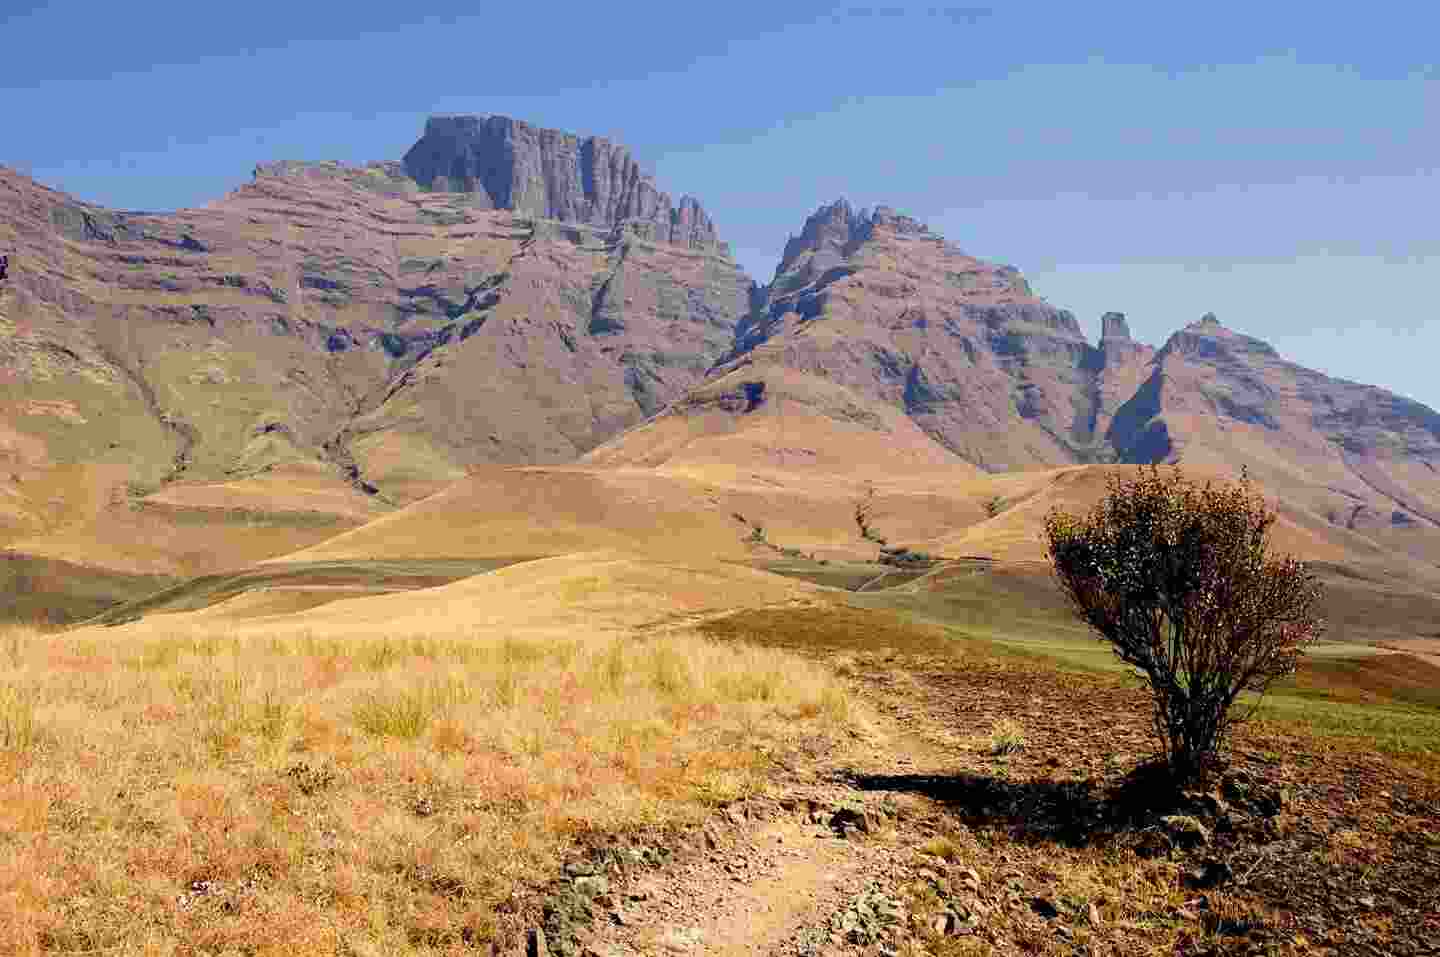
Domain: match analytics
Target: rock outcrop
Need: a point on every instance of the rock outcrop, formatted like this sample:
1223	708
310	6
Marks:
548	174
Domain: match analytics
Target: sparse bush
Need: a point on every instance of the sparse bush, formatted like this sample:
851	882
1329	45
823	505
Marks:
1176	577
865	515
1006	737
994	506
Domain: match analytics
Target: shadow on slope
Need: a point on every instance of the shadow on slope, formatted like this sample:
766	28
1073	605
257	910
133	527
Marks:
313	584
50	592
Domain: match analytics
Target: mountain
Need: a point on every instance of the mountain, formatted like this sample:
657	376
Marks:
874	302
512	343
344	327
878	303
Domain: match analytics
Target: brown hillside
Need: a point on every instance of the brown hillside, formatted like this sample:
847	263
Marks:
331	320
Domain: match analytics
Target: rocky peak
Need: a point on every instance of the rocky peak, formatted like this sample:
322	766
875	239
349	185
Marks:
884	217
828	230
833	233
1208	339
550	174
1114	327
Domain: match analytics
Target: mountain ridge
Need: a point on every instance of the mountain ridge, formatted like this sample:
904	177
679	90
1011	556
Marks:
378	338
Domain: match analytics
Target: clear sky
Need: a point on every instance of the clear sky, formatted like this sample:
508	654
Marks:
1275	163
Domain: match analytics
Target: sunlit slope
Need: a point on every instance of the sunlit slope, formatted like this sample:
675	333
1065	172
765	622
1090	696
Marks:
759	460
1020	500
763	415
89	516
595	591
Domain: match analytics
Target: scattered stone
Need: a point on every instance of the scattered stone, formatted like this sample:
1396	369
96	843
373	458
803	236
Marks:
1044	908
1212	873
535	943
1154	844
857	818
1185	830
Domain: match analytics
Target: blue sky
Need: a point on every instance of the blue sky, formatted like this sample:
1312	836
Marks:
1273	163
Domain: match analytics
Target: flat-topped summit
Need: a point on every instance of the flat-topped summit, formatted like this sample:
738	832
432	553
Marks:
550	174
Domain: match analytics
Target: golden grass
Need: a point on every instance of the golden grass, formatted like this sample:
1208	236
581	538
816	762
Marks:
212	791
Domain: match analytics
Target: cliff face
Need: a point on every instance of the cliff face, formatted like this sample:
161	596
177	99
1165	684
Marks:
548	174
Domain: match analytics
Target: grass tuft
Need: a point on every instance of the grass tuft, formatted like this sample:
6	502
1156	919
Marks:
1006	737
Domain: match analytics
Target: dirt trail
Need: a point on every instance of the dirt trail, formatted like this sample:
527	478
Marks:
781	876
751	899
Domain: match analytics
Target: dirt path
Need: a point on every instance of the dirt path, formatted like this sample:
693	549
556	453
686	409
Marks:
778	875
749	899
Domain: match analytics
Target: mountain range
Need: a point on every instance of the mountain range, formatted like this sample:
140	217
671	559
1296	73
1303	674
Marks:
332	347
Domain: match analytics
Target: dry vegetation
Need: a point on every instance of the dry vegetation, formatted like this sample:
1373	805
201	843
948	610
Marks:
199	792
1036	835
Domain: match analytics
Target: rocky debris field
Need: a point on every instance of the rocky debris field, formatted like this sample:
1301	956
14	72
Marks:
996	808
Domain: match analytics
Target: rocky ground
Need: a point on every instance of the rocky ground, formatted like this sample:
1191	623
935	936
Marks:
994	808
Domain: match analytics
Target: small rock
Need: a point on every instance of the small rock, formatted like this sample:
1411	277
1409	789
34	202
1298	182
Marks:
579	868
1186	831
1154	844
592	886
1366	902
535	945
1044	908
1094	914
1212	873
859	819
735	814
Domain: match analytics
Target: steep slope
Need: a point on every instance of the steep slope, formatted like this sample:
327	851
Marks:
1357	457
878	303
761	414
339	324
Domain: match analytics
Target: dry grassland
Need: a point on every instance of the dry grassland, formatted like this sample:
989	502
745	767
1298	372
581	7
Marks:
208	791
